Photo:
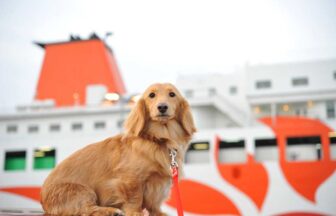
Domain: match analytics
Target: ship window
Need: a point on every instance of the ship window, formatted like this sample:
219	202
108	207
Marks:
15	160
263	84
11	211
77	126
120	123
189	93
12	128
33	129
330	108
233	90
212	91
55	127
232	152
266	150
198	152
44	158
304	148
333	145
300	81
99	125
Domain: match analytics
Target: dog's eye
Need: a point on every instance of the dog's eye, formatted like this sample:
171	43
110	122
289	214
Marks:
152	95
172	94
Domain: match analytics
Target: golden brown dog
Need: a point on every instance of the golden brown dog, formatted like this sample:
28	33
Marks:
129	172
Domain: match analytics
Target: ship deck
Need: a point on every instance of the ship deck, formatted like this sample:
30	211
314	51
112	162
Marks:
21	212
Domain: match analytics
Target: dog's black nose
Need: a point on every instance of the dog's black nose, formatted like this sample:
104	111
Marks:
162	107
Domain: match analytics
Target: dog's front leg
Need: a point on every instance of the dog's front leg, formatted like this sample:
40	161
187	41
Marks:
133	204
132	209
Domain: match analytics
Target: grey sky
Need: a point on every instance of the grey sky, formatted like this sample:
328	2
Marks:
157	40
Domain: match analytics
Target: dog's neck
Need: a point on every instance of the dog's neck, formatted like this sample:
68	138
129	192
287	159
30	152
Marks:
170	133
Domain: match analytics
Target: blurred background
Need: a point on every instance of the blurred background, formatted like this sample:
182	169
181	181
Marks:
160	40
260	77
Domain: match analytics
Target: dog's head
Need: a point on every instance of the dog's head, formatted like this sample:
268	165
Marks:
160	103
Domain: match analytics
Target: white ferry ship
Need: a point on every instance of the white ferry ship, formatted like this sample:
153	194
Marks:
266	141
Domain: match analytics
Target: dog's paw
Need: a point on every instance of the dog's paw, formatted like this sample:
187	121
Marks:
118	212
161	214
133	213
107	211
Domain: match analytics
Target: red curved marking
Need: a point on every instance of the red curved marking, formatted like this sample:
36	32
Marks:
300	214
304	177
251	178
30	192
198	198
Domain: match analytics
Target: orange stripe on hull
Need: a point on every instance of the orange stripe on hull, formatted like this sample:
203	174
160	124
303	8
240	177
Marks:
29	192
198	198
250	178
300	214
304	177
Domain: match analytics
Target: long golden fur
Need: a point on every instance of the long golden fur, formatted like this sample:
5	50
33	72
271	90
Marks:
129	172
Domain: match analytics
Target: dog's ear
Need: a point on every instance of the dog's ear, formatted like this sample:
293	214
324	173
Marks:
185	118
137	118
